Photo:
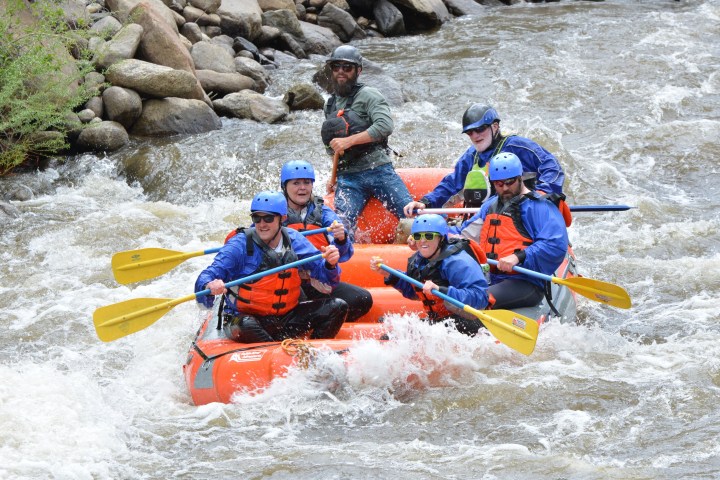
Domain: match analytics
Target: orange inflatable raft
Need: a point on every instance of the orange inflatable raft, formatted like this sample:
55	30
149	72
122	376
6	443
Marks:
218	368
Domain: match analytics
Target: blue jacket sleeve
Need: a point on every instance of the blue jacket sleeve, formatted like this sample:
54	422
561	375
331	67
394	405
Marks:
545	224
346	249
303	248
406	288
466	280
550	175
230	263
453	182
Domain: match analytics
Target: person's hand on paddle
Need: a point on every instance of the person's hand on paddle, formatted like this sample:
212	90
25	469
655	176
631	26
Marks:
375	266
506	264
410	208
429	286
332	256
216	287
337	230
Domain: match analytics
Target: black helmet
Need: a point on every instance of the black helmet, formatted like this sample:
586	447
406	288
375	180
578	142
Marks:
346	53
477	115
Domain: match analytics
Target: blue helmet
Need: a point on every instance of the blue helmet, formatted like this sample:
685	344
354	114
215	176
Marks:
296	169
505	165
271	202
478	115
430	222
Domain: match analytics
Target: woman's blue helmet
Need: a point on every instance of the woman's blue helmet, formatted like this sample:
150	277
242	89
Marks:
271	202
505	165
296	169
478	115
430	222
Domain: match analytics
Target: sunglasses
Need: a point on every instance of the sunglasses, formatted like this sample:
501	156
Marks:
257	218
504	183
345	67
429	236
479	129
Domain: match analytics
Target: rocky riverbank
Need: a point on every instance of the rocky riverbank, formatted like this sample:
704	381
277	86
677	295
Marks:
174	67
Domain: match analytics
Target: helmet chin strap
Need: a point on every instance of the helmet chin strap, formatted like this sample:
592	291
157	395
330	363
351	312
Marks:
495	139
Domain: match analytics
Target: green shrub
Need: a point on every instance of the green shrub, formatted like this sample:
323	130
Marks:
40	82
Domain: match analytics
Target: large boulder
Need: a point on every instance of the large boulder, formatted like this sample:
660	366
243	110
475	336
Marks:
389	19
423	14
123	45
240	18
102	136
169	116
340	22
122	105
152	80
123	8
211	56
224	83
253	106
318	40
162	45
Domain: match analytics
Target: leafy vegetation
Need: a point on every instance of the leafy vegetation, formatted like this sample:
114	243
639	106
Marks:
40	82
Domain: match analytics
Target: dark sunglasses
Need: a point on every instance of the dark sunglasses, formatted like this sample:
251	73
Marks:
479	129
257	218
429	236
346	67
506	183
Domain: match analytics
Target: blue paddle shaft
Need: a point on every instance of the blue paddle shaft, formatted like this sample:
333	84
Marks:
256	276
532	273
420	285
599	208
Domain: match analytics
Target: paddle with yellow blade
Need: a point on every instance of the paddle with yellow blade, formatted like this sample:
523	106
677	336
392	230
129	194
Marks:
516	331
137	265
599	291
121	319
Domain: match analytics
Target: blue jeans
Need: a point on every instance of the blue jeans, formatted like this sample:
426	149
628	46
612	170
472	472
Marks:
355	189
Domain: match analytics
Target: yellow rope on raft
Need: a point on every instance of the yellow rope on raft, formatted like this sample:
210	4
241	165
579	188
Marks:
300	350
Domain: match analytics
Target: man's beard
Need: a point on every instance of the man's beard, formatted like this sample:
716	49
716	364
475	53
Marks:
345	89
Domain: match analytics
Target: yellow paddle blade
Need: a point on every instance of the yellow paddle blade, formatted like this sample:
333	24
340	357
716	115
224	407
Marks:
597	290
137	265
514	330
124	318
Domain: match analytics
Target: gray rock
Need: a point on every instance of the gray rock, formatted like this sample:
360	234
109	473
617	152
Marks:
122	46
86	115
209	6
209	56
240	18
152	80
285	20
103	136
122	105
252	105
318	40
340	22
106	27
303	97
169	116
96	105
251	68
224	83
389	19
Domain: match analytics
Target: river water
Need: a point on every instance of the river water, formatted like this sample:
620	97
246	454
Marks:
626	93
